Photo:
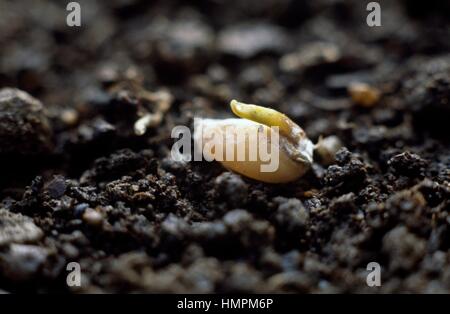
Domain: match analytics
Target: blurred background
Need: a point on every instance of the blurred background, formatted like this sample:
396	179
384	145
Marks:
169	42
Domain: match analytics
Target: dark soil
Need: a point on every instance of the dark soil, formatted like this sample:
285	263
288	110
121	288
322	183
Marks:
78	185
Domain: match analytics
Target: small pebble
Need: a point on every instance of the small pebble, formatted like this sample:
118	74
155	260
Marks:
57	187
364	95
79	209
92	217
69	117
327	148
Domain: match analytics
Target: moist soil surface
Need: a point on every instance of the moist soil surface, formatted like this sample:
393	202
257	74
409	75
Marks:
78	184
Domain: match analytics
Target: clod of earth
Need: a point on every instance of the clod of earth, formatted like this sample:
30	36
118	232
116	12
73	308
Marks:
24	127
